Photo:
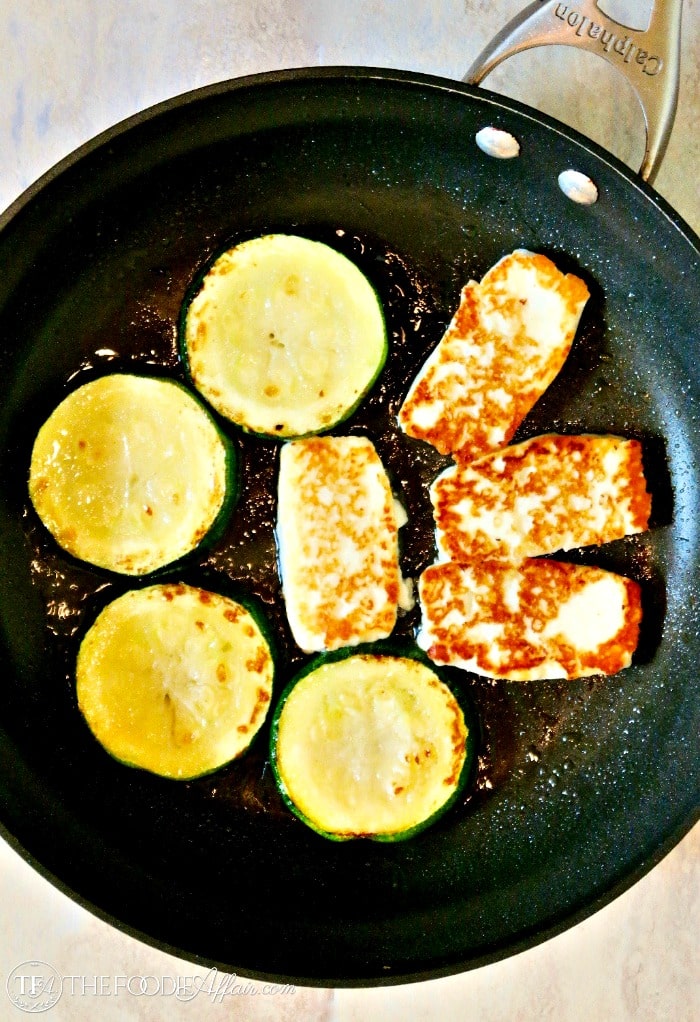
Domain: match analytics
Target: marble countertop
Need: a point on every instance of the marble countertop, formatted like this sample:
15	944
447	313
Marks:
72	70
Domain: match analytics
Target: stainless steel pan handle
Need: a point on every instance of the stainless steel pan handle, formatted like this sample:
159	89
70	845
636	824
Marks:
649	59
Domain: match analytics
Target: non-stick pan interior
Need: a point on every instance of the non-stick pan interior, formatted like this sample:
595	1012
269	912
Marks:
581	786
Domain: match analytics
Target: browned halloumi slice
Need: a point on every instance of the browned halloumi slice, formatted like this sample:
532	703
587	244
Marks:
337	534
507	341
546	494
537	620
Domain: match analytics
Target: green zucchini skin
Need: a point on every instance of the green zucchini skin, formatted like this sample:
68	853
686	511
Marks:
381	649
234	486
192	292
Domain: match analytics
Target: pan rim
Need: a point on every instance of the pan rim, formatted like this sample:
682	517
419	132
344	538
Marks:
499	953
312	73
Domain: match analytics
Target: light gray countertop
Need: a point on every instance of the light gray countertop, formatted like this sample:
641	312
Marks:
68	72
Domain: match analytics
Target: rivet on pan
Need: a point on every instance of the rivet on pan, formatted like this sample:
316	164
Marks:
498	143
578	187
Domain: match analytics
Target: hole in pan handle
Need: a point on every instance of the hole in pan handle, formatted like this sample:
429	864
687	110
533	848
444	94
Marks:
649	58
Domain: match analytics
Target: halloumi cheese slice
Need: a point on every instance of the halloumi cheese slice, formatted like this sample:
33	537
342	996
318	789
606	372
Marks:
337	534
508	339
537	620
549	493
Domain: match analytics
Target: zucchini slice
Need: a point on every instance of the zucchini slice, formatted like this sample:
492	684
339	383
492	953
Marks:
369	745
174	679
285	336
131	473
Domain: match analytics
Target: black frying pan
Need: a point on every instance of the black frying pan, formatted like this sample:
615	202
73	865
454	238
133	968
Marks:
580	787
